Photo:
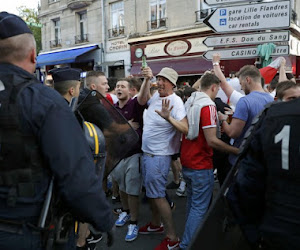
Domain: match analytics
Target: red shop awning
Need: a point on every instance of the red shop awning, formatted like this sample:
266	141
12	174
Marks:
186	66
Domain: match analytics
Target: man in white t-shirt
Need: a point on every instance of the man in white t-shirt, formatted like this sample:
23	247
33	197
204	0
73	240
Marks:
164	122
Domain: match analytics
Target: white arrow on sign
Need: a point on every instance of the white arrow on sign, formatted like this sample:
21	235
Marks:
242	53
251	38
270	15
216	2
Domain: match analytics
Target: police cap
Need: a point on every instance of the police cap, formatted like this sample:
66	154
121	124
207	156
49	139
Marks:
65	74
12	25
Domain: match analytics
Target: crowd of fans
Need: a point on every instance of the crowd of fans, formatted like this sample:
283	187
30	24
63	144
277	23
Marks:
194	130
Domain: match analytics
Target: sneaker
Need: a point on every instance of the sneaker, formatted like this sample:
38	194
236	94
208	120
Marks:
118	210
172	206
115	199
181	190
167	244
150	229
216	175
173	185
81	248
123	218
92	240
132	233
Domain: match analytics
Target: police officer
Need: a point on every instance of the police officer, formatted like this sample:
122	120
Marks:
39	138
266	194
67	82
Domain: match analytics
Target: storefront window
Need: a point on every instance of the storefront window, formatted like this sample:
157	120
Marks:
157	14
116	19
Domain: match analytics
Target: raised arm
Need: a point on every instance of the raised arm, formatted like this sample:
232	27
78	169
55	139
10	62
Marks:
144	94
282	74
218	72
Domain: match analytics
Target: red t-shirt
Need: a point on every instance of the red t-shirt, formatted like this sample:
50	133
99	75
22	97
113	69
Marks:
196	154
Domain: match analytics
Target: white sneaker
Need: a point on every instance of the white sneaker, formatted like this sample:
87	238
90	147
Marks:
216	175
181	190
123	218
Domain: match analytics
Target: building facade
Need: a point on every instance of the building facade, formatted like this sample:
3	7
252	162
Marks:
112	35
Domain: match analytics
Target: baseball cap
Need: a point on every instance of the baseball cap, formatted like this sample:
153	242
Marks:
12	25
65	74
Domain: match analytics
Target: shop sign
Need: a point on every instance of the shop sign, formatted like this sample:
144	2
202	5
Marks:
177	48
117	45
155	50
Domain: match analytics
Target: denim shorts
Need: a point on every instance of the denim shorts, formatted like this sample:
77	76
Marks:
155	170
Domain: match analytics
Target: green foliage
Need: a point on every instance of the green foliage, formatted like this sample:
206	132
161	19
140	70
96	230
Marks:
30	16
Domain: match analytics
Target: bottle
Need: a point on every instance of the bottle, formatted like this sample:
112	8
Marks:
144	63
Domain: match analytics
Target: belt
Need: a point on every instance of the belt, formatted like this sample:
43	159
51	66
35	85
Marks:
11	227
149	154
17	227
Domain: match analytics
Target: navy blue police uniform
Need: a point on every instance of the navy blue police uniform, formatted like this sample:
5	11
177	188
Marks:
40	138
267	186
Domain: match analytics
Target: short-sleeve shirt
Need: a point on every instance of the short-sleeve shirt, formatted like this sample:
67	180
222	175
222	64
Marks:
247	108
196	154
133	110
159	136
235	97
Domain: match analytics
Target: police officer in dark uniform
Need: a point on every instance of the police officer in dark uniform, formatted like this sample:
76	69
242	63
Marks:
67	83
266	194
40	138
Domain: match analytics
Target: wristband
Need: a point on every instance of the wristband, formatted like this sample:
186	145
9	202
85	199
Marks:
216	64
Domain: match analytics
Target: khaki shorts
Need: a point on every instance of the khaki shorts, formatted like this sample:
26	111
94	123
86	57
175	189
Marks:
128	175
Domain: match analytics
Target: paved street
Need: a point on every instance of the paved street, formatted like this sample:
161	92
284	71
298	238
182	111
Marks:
149	242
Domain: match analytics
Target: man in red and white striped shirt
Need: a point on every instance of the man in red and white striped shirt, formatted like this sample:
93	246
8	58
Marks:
196	154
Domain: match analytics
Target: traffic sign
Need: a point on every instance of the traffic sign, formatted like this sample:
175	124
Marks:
269	15
39	25
216	2
243	53
251	38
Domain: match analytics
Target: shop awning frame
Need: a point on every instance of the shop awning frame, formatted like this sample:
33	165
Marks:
63	56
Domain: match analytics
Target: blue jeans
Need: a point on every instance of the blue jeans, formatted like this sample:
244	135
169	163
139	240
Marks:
200	184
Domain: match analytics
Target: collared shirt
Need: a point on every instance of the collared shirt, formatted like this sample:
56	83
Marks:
133	110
